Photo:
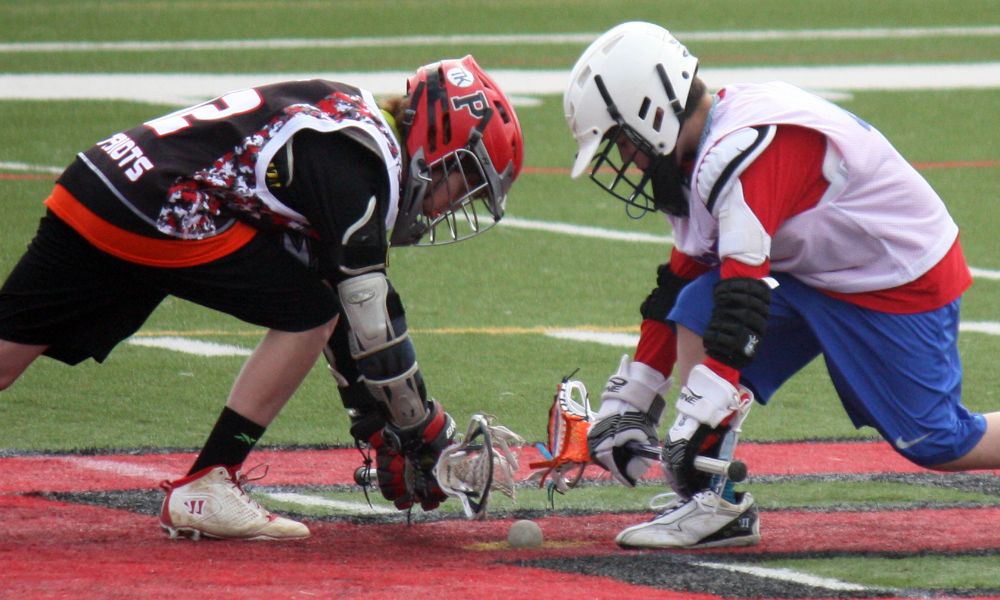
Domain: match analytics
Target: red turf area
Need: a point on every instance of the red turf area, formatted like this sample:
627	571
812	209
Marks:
51	549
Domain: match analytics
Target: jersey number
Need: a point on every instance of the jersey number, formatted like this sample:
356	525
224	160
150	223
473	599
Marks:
233	103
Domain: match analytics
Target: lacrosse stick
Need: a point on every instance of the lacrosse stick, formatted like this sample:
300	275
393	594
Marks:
723	468
569	421
480	462
728	447
733	469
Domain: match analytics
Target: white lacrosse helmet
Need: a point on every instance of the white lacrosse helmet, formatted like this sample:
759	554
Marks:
633	81
645	74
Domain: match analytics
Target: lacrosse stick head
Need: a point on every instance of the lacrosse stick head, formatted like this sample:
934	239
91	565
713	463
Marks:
480	461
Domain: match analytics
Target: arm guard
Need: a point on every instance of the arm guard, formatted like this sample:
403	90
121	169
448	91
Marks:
739	320
381	346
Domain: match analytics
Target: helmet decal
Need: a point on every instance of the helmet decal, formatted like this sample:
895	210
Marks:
460	77
474	103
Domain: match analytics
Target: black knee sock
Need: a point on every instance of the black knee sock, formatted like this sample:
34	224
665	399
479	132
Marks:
230	441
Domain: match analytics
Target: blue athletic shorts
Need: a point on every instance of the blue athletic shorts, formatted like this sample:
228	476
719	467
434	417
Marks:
898	373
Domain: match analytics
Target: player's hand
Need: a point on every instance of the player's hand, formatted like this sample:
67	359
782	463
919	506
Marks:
705	408
631	408
406	457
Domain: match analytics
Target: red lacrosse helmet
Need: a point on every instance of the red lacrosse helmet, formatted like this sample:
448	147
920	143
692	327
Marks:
460	122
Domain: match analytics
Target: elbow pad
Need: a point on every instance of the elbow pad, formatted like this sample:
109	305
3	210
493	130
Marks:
381	346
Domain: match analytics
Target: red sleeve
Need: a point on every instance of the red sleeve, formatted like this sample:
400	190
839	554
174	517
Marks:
657	340
657	346
785	180
684	266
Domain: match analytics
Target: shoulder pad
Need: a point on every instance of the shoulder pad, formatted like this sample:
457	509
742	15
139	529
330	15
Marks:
728	158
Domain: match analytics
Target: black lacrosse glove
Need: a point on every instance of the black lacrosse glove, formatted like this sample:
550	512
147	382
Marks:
405	459
739	320
662	298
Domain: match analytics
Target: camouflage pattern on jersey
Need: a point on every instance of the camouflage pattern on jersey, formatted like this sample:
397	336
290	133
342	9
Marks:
195	203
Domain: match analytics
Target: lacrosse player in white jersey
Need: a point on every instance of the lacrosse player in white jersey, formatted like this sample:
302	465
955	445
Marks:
799	230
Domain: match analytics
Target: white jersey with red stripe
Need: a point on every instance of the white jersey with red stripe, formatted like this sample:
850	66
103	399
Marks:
879	225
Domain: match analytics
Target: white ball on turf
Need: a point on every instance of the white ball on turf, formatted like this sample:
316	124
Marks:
525	534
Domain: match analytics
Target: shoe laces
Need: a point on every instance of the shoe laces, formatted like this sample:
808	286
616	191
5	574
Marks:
665	502
239	479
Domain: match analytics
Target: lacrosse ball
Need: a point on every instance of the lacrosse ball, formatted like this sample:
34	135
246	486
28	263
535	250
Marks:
525	534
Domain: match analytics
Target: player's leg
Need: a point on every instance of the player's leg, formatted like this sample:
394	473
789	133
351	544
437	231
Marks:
984	455
914	399
263	285
275	370
68	301
729	519
15	359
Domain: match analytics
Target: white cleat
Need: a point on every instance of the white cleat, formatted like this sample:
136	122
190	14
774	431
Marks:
704	521
212	503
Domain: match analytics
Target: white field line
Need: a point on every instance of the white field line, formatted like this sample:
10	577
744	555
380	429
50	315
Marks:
787	575
20	166
529	224
605	338
618	340
189	88
626	340
987	327
584	231
190	346
984	274
104	465
493	39
357	508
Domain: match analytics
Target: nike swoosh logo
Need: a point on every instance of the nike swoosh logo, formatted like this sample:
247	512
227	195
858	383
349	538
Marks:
903	444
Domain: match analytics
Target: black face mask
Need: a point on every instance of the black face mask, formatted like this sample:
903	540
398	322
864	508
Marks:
662	186
671	186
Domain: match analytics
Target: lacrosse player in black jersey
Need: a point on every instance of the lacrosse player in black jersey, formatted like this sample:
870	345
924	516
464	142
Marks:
276	205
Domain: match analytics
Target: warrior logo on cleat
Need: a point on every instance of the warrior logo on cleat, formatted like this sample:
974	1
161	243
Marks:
195	507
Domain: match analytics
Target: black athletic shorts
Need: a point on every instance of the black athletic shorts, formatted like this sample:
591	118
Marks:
81	302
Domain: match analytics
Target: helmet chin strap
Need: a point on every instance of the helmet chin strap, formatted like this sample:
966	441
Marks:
671	186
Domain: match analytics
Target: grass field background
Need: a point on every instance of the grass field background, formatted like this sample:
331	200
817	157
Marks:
478	310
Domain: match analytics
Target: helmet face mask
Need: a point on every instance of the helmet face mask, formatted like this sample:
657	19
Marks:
632	84
466	149
659	185
470	207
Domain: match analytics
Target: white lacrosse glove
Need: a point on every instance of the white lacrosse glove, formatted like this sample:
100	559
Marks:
631	408
706	408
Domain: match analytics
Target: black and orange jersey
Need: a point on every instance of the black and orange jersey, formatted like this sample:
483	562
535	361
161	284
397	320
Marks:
307	157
